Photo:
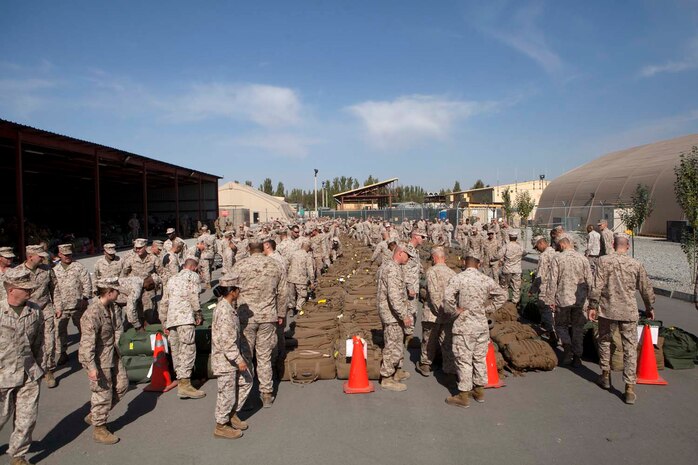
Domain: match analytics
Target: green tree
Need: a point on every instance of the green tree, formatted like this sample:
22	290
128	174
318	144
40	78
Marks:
280	191
686	190
507	205
267	186
248	183
524	205
370	180
639	209
456	187
478	184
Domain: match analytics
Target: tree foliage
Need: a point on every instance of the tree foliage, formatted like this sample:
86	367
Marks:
280	191
507	206
639	209
478	184
686	190
370	180
456	187
267	186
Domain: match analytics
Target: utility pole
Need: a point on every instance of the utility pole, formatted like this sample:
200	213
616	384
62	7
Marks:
316	212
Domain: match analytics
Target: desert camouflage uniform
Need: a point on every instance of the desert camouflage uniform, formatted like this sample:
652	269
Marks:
490	260
433	318
227	256
567	289
381	251
143	267
226	355
170	267
606	242
448	233
511	254
300	273
45	280
106	269
475	243
317	246
392	309
130	292
101	330
477	295
540	286
261	303
74	287
207	256
412	270
21	353
167	246
616	279
179	311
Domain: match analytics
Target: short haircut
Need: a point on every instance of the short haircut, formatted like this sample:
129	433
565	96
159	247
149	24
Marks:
190	262
271	242
255	247
438	252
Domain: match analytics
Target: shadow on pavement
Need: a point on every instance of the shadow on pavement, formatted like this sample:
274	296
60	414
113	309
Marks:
142	404
73	366
65	432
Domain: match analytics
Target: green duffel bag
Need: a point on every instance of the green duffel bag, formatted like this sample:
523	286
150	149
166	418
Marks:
133	343
680	348
202	339
137	368
202	367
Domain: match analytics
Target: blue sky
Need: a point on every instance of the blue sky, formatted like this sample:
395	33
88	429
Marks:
429	92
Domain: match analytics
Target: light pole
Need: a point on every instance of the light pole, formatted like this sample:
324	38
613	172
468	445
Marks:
316	212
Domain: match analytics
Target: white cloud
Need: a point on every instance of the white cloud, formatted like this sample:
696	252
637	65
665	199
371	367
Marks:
265	105
413	118
286	144
690	61
22	97
518	30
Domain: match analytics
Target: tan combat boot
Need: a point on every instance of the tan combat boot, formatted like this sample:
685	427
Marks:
18	461
50	380
630	395
390	384
226	432
88	419
479	394
422	369
401	375
267	399
186	391
101	435
237	423
604	380
459	400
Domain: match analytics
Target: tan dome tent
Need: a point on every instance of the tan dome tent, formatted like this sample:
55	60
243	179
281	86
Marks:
592	192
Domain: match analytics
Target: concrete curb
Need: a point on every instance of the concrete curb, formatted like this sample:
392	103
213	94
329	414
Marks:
678	295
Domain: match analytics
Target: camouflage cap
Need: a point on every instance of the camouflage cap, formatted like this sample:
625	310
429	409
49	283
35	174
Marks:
229	234
19	277
535	240
7	252
621	235
140	242
204	227
475	254
514	233
419	232
158	243
110	248
36	250
65	249
170	231
230	280
107	283
564	236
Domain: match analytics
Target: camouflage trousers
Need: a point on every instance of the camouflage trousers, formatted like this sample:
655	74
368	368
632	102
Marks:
512	282
628	335
107	391
49	362
205	271
445	337
492	271
181	339
547	318
413	305
430	342
21	405
259	341
470	352
233	391
62	329
297	295
317	264
393	351
569	327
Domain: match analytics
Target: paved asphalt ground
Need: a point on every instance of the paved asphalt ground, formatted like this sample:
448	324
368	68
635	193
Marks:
557	417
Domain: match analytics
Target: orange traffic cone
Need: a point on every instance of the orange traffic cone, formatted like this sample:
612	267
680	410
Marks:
647	365
492	372
160	379
358	382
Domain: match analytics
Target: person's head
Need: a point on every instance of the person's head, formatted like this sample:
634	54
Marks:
295	232
417	237
621	242
110	251
400	255
438	255
385	235
191	264
65	253
140	246
107	290
539	243
603	224
228	288
18	286
564	241
590	228
156	247
490	235
35	255
513	235
269	246
471	262
177	247
306	246
283	234
171	234
255	247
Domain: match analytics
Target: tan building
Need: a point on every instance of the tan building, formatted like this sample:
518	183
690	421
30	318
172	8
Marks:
261	207
487	202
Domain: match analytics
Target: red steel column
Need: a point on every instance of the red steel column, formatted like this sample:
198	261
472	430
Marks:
176	179
19	181
145	200
98	210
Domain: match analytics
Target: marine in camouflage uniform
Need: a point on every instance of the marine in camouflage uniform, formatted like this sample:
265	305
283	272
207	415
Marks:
490	260
395	314
7	255
171	239
234	375
99	356
142	264
540	285
612	298
45	281
207	256
412	271
107	266
21	355
433	318
468	298
382	251
70	296
566	293
511	254
300	274
180	313
606	239
261	308
171	264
